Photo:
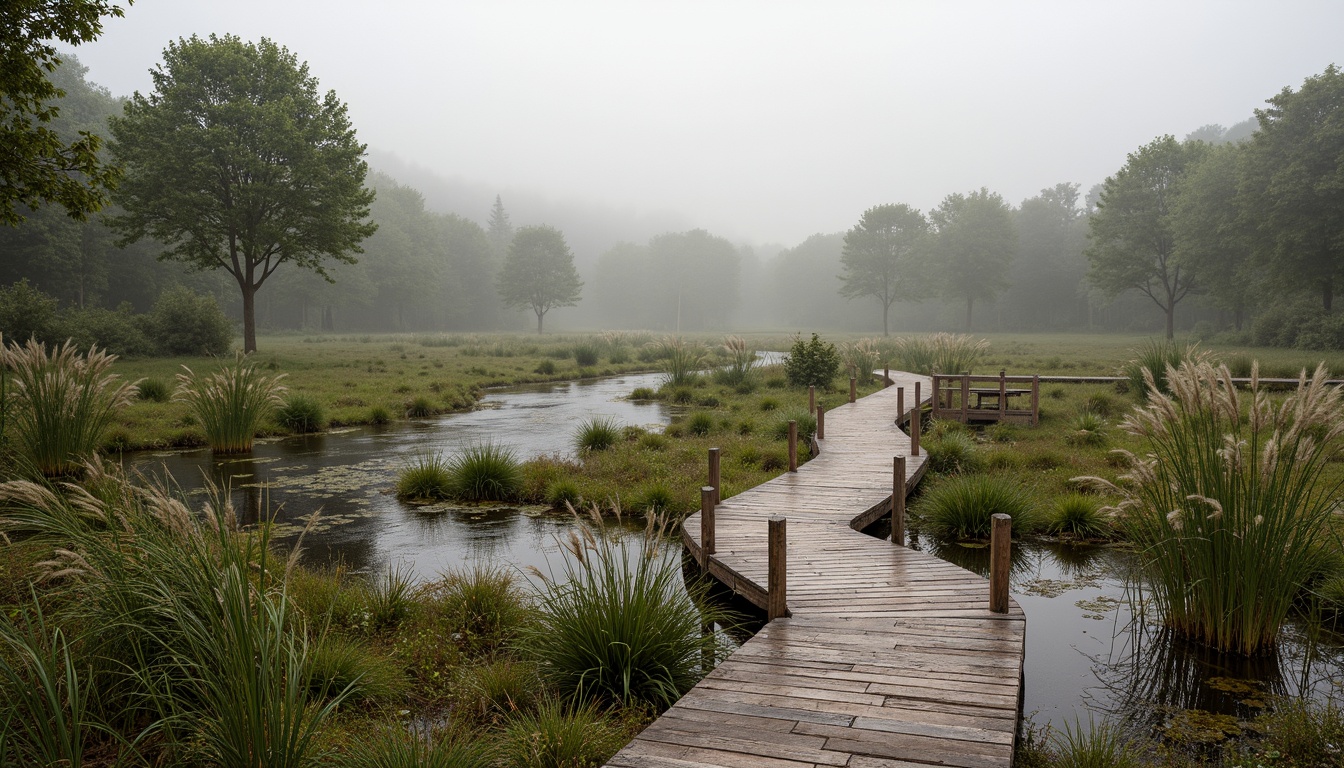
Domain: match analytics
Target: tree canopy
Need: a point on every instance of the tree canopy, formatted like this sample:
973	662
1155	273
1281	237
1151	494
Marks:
881	257
974	244
39	164
236	162
539	273
1133	243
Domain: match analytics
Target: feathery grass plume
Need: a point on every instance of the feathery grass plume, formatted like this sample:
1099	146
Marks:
1230	507
485	472
616	624
948	353
61	404
741	365
962	507
1152	359
682	359
862	357
231	403
597	434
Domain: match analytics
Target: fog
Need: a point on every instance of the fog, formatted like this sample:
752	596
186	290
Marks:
762	122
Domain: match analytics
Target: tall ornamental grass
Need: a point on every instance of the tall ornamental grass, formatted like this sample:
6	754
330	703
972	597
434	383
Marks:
1151	361
861	358
231	403
617	626
1230	507
741	365
61	404
682	360
948	353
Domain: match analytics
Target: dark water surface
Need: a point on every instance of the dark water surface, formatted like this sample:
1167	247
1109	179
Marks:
1087	650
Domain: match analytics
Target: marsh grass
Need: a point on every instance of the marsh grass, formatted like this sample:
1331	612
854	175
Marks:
596	434
681	359
231	403
558	736
807	424
500	688
952	452
1096	746
62	403
1088	429
1079	516
485	472
700	423
301	413
154	390
426	477
1229	486
861	358
938	353
344	664
741	366
44	710
1150	361
401	747
484	602
587	353
961	507
616	625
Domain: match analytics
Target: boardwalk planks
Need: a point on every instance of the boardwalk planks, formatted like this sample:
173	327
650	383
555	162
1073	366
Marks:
890	657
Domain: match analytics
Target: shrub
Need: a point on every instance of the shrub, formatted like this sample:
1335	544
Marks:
811	363
184	323
301	413
563	492
153	390
617	625
427	477
807	424
401	747
1078	516
1226	489
545	368
961	507
28	313
231	403
700	423
596	434
554	736
586	353
953	452
63	403
486	472
118	331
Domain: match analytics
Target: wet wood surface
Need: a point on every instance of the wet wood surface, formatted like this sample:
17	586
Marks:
888	657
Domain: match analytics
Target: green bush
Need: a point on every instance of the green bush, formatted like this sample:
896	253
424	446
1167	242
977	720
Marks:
119	331
427	477
617	626
643	393
231	403
586	353
811	363
563	493
545	368
378	415
1087	429
28	313
420	407
486	472
654	498
961	507
597	434
301	413
62	403
184	323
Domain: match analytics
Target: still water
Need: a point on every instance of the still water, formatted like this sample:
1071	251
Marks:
1089	648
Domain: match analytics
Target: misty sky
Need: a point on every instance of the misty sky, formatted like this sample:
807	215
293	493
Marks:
764	121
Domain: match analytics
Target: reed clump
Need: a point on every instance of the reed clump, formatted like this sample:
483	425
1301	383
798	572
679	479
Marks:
741	367
961	508
948	353
681	359
231	403
485	472
1230	506
597	434
60	405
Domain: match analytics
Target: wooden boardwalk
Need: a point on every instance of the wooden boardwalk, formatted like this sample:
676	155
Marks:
890	657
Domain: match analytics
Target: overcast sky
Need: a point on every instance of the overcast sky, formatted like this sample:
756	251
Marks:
765	121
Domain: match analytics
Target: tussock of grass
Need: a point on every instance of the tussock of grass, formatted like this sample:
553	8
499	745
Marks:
485	472
961	507
400	747
426	478
558	736
154	390
953	452
301	413
231	403
484	602
1078	516
596	434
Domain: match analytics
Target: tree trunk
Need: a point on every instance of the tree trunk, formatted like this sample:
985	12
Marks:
1171	321
539	316
249	317
886	309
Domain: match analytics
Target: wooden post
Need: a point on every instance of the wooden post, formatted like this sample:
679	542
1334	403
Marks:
714	473
853	388
1035	399
706	526
965	396
916	416
793	446
898	500
1000	550
1003	394
821	422
900	406
886	376
776	597
811	399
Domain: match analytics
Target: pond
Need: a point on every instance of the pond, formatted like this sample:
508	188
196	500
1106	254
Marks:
1088	649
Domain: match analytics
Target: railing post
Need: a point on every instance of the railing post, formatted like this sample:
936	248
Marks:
900	405
714	473
853	388
965	397
886	376
811	398
776	597
706	526
1003	394
821	422
1000	551
916	416
793	446
1035	399
898	500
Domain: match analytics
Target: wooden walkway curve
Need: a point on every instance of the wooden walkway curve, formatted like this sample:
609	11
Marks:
890	657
